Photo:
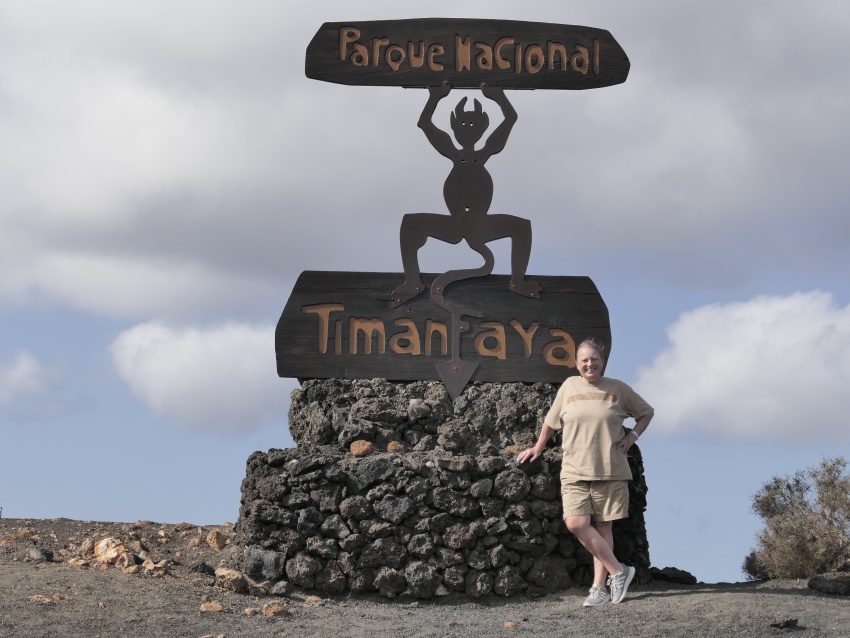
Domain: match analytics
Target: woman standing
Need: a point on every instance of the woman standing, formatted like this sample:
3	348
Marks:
595	472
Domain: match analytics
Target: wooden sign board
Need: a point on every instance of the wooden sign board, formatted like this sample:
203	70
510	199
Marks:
466	53
343	325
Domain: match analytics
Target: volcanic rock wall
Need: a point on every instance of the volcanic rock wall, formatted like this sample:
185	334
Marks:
446	510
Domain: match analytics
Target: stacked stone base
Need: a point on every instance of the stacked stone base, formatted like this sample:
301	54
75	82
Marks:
421	522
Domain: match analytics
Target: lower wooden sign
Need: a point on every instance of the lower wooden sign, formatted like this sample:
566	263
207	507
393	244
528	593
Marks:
343	325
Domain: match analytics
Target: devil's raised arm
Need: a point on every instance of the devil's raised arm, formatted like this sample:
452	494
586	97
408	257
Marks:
498	138
439	139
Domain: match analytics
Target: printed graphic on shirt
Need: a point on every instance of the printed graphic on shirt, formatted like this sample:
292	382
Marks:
593	396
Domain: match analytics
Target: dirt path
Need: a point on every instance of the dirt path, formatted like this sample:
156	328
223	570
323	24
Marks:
91	601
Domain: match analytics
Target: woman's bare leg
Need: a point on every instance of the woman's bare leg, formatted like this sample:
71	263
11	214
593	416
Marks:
595	543
605	529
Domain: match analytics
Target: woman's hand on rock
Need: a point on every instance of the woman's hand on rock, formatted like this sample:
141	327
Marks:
531	454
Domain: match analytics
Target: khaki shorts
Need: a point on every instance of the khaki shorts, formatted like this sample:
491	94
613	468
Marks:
602	500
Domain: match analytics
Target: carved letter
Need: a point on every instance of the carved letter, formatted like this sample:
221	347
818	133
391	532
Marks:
525	334
485	58
368	327
462	53
518	58
501	62
416	60
596	56
566	344
323	312
377	43
556	48
347	35
433	51
338	337
439	327
411	335
395	63
579	60
497	332
534	58
360	55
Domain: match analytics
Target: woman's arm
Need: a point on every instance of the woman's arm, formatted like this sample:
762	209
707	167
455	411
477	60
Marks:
641	424
533	453
640	427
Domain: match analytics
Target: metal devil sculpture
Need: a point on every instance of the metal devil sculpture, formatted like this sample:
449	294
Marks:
363	324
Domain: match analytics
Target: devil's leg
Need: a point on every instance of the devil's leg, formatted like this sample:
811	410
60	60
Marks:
416	228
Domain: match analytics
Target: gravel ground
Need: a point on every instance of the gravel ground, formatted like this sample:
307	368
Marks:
56	598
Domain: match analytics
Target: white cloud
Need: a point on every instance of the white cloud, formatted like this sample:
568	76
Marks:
127	145
771	368
219	378
131	285
23	374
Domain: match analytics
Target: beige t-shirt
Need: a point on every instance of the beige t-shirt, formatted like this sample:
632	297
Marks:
592	418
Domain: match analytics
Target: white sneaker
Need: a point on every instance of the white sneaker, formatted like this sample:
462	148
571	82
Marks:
598	596
620	583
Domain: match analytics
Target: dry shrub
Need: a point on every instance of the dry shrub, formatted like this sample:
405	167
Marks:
807	523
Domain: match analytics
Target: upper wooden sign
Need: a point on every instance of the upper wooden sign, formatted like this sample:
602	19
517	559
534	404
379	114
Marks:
466	53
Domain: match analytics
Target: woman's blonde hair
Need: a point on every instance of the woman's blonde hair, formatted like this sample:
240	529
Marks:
592	343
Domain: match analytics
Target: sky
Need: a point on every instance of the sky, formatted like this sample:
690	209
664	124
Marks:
167	171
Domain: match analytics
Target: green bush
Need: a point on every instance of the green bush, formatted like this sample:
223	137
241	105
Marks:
806	523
